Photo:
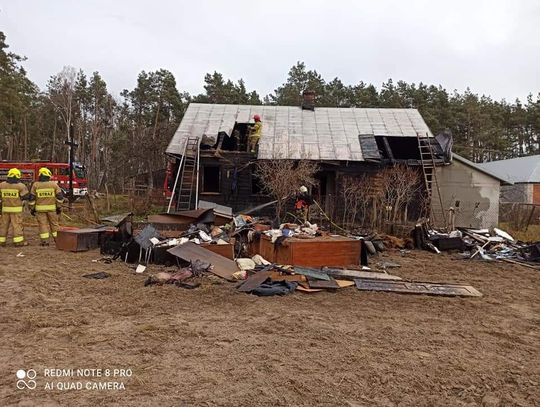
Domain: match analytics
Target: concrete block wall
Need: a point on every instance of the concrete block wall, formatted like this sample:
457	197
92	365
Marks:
476	192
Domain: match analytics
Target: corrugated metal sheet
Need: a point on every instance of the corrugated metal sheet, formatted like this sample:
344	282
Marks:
515	170
290	132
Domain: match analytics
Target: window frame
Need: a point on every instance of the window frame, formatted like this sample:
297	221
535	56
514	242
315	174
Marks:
203	179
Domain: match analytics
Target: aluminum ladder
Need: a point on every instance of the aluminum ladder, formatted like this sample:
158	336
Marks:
431	183
188	175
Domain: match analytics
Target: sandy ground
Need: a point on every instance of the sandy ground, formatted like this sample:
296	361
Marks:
215	346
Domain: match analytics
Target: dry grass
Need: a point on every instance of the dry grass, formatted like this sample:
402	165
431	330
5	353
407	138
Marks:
216	346
532	234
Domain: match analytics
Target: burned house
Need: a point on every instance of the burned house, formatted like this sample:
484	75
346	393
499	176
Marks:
210	161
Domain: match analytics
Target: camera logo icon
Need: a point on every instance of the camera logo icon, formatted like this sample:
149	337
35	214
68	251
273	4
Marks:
26	379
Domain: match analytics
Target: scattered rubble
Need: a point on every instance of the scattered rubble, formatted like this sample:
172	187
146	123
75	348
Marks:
293	257
482	244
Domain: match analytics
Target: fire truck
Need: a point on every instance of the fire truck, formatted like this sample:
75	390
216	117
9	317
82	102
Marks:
60	174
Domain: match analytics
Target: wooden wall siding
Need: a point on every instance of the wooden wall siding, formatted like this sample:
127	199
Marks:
241	197
373	170
536	194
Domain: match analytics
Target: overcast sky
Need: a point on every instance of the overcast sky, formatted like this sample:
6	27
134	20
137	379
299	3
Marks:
491	46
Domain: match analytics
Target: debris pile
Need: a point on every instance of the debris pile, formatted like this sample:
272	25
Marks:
280	260
484	244
278	280
306	231
499	245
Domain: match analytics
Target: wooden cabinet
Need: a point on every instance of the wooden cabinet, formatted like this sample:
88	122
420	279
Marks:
78	240
315	252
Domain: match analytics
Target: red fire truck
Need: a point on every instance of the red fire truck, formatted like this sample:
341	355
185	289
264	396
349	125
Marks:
60	173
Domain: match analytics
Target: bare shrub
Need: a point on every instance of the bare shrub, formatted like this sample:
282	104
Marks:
400	184
358	194
281	179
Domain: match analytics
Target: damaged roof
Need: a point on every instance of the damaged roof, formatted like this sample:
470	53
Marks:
516	170
288	132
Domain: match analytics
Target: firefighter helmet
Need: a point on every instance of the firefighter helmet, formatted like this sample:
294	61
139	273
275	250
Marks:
14	173
257	118
45	172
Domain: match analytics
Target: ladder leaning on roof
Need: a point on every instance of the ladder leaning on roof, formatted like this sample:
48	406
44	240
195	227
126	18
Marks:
187	177
429	172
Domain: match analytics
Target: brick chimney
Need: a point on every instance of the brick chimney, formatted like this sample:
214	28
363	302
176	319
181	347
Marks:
308	101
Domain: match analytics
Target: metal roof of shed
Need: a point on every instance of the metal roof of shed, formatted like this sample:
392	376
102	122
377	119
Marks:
516	170
288	132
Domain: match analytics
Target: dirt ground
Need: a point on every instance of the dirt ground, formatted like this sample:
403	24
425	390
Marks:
215	346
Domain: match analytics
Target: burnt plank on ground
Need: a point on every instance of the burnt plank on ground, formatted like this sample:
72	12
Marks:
222	266
323	284
403	287
254	281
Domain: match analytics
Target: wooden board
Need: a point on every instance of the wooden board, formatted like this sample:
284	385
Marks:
275	276
344	283
308	290
520	263
352	274
417	288
254	281
223	267
323	284
183	217
316	252
225	250
317	274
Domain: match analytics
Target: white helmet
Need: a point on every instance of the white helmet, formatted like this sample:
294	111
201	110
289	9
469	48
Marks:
303	189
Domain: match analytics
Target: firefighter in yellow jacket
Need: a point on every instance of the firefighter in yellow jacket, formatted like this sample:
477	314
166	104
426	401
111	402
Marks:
46	199
13	193
255	132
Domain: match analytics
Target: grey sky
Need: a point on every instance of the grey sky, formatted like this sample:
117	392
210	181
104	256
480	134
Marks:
491	46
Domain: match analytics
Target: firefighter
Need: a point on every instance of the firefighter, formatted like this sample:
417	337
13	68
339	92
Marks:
303	201
254	133
13	193
46	199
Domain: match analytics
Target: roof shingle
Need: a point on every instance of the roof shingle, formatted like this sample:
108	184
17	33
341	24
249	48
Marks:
290	132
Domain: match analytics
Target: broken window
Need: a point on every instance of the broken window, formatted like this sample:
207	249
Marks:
228	143
238	140
400	148
211	179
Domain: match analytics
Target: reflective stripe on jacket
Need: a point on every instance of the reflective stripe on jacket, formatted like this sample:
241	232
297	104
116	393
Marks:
44	196
12	196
